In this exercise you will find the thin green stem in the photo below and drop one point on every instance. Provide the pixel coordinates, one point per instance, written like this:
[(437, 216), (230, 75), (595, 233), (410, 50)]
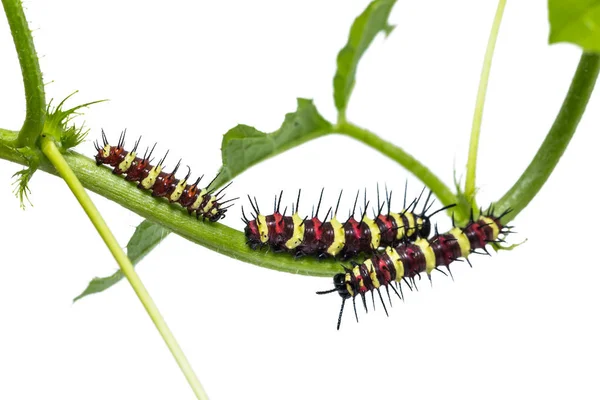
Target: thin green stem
[(479, 104), (56, 158), (557, 140), (32, 75), (401, 157)]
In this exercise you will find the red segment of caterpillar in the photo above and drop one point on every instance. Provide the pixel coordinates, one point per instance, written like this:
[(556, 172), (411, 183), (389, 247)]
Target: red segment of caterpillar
[(409, 260), (311, 236), (203, 202)]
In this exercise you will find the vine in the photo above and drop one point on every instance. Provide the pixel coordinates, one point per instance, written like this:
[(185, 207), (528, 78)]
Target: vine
[(45, 140)]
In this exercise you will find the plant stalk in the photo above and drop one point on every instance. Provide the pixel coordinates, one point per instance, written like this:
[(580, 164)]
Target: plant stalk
[(56, 158), (479, 105), (557, 140), (443, 193), (35, 99)]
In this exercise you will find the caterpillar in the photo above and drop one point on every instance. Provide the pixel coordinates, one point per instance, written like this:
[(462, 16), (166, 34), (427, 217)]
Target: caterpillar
[(203, 202), (311, 236), (410, 259)]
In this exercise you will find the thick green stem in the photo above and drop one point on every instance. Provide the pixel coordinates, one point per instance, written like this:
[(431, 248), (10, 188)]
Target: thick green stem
[(56, 158), (32, 76), (214, 236), (559, 136), (479, 104), (401, 157)]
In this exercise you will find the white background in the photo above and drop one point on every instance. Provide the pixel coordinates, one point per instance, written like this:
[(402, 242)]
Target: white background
[(521, 324)]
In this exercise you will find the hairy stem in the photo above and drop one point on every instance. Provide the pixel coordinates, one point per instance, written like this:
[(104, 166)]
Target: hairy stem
[(479, 104), (32, 76), (558, 138), (56, 158), (401, 157)]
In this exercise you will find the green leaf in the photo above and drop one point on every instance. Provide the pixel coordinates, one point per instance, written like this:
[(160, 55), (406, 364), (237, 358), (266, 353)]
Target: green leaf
[(243, 146), (146, 236), (575, 21), (364, 29)]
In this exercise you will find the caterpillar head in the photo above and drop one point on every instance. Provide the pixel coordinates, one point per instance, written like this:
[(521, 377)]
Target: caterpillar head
[(424, 228), (424, 221), (339, 285), (107, 154)]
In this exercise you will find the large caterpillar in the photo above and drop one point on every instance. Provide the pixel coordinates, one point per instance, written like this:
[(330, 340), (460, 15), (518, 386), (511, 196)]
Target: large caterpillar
[(203, 202), (409, 260), (311, 236)]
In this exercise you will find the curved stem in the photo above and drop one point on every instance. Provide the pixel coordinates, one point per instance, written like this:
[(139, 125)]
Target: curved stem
[(401, 157), (56, 158), (230, 242), (559, 136), (32, 76), (479, 104), (215, 236)]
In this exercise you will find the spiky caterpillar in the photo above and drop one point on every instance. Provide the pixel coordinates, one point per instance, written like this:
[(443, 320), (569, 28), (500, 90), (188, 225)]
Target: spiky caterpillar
[(203, 202), (311, 236), (410, 259)]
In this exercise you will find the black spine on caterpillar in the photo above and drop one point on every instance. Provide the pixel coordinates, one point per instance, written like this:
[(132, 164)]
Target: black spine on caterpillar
[(203, 202), (311, 236), (409, 260)]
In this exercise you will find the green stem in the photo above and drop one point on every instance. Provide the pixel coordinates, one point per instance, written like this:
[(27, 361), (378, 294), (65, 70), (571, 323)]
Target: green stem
[(214, 236), (401, 157), (56, 158), (32, 76), (559, 136), (479, 104)]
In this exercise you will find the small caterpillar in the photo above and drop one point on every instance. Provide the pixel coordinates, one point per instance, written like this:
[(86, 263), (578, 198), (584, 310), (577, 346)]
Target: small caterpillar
[(404, 262), (311, 236), (162, 184)]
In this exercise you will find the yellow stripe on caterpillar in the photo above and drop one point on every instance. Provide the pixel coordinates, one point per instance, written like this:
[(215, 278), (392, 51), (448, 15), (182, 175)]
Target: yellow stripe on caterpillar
[(199, 200), (148, 182), (412, 228), (178, 191), (372, 273), (263, 229), (398, 264), (428, 253), (298, 234), (348, 280), (126, 163), (209, 204), (339, 237), (492, 224), (375, 232), (463, 241), (356, 272)]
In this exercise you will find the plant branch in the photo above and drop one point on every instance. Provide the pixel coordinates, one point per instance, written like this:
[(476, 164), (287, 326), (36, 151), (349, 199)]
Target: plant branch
[(32, 75), (216, 236), (557, 140), (401, 157), (56, 158), (479, 104)]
